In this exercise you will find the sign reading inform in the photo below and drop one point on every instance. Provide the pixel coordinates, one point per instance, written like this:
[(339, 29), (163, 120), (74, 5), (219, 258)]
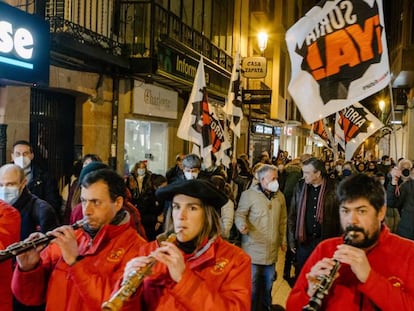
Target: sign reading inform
[(24, 47)]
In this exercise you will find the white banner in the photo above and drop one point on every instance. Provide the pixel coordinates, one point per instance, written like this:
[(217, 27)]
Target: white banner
[(353, 125), (200, 123), (338, 56)]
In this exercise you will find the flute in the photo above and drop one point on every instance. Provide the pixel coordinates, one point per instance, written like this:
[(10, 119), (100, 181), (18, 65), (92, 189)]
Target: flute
[(326, 281), (23, 246), (131, 283)]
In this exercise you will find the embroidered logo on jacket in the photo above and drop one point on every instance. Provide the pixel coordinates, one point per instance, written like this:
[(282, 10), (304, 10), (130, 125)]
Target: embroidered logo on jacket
[(116, 255), (218, 268), (396, 282)]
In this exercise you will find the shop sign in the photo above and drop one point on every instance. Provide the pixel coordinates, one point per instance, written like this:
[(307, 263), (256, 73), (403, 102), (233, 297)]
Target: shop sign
[(24, 47), (180, 66), (252, 97), (152, 100), (254, 67)]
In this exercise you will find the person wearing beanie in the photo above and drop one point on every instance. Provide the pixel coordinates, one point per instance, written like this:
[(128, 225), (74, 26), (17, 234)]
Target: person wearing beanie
[(200, 270)]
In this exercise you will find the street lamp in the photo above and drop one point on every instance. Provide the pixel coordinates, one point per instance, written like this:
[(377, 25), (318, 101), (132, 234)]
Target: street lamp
[(381, 105), (262, 41)]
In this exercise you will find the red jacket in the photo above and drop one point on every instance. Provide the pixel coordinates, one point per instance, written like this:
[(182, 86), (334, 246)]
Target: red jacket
[(390, 284), (135, 217), (86, 284), (218, 277), (9, 233)]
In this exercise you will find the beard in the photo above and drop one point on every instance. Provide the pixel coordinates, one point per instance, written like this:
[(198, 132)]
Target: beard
[(367, 240)]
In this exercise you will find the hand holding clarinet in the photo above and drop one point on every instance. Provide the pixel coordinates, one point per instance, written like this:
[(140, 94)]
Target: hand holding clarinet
[(28, 251), (325, 271)]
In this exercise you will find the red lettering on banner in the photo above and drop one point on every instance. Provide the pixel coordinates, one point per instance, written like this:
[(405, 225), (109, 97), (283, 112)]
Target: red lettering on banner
[(349, 46)]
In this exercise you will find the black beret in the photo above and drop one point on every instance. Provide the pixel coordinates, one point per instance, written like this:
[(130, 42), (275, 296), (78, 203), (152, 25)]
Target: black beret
[(93, 166), (196, 188)]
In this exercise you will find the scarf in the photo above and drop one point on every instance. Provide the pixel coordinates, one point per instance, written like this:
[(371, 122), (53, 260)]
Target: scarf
[(300, 221)]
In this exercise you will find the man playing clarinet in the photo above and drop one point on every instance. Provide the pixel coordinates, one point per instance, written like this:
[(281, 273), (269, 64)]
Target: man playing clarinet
[(79, 268), (375, 265)]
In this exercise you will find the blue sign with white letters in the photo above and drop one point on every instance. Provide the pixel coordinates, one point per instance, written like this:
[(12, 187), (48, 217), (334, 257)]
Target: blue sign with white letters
[(24, 47)]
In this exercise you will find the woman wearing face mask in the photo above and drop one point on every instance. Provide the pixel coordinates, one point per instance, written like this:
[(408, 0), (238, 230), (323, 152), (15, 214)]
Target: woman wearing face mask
[(139, 184)]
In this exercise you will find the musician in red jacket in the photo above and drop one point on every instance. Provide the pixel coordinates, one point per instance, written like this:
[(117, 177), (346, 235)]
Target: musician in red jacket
[(79, 269), (9, 233), (201, 271), (375, 265)]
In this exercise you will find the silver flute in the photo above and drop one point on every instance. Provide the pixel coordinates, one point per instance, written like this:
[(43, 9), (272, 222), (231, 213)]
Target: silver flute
[(326, 281), (23, 246)]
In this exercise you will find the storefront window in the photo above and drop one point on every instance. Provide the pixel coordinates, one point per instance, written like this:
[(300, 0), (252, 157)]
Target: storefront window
[(146, 140)]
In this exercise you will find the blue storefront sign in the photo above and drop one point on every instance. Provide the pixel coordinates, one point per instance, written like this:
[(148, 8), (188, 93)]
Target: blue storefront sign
[(24, 47)]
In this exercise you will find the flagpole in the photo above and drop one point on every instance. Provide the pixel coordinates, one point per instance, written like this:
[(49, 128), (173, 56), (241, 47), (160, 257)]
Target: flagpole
[(393, 119), (329, 134)]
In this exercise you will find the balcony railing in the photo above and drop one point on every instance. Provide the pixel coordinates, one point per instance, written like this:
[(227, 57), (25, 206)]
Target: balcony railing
[(144, 24), (84, 35), (128, 28)]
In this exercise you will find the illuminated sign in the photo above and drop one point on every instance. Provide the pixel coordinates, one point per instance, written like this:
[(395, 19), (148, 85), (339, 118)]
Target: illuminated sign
[(24, 47), (254, 67), (259, 128)]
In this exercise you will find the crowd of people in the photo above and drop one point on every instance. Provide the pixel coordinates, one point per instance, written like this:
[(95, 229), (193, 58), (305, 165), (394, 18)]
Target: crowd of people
[(230, 225)]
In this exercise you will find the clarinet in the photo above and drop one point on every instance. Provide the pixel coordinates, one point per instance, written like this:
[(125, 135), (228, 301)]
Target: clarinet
[(326, 281), (131, 283), (23, 246)]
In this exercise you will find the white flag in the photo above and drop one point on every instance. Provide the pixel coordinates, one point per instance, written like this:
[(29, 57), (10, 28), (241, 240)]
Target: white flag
[(339, 56), (355, 124), (192, 126), (200, 124), (191, 121), (233, 106)]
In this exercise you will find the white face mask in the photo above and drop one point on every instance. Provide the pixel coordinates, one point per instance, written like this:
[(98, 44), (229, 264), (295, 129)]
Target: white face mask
[(9, 194), (22, 161), (273, 186), (141, 171), (190, 175)]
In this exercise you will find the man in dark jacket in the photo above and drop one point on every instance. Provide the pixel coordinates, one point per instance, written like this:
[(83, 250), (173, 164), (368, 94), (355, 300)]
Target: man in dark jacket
[(313, 214), (36, 214), (39, 182), (176, 172)]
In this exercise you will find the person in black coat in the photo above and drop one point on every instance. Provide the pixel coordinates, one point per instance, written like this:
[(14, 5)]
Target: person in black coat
[(36, 214), (39, 182), (313, 213)]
